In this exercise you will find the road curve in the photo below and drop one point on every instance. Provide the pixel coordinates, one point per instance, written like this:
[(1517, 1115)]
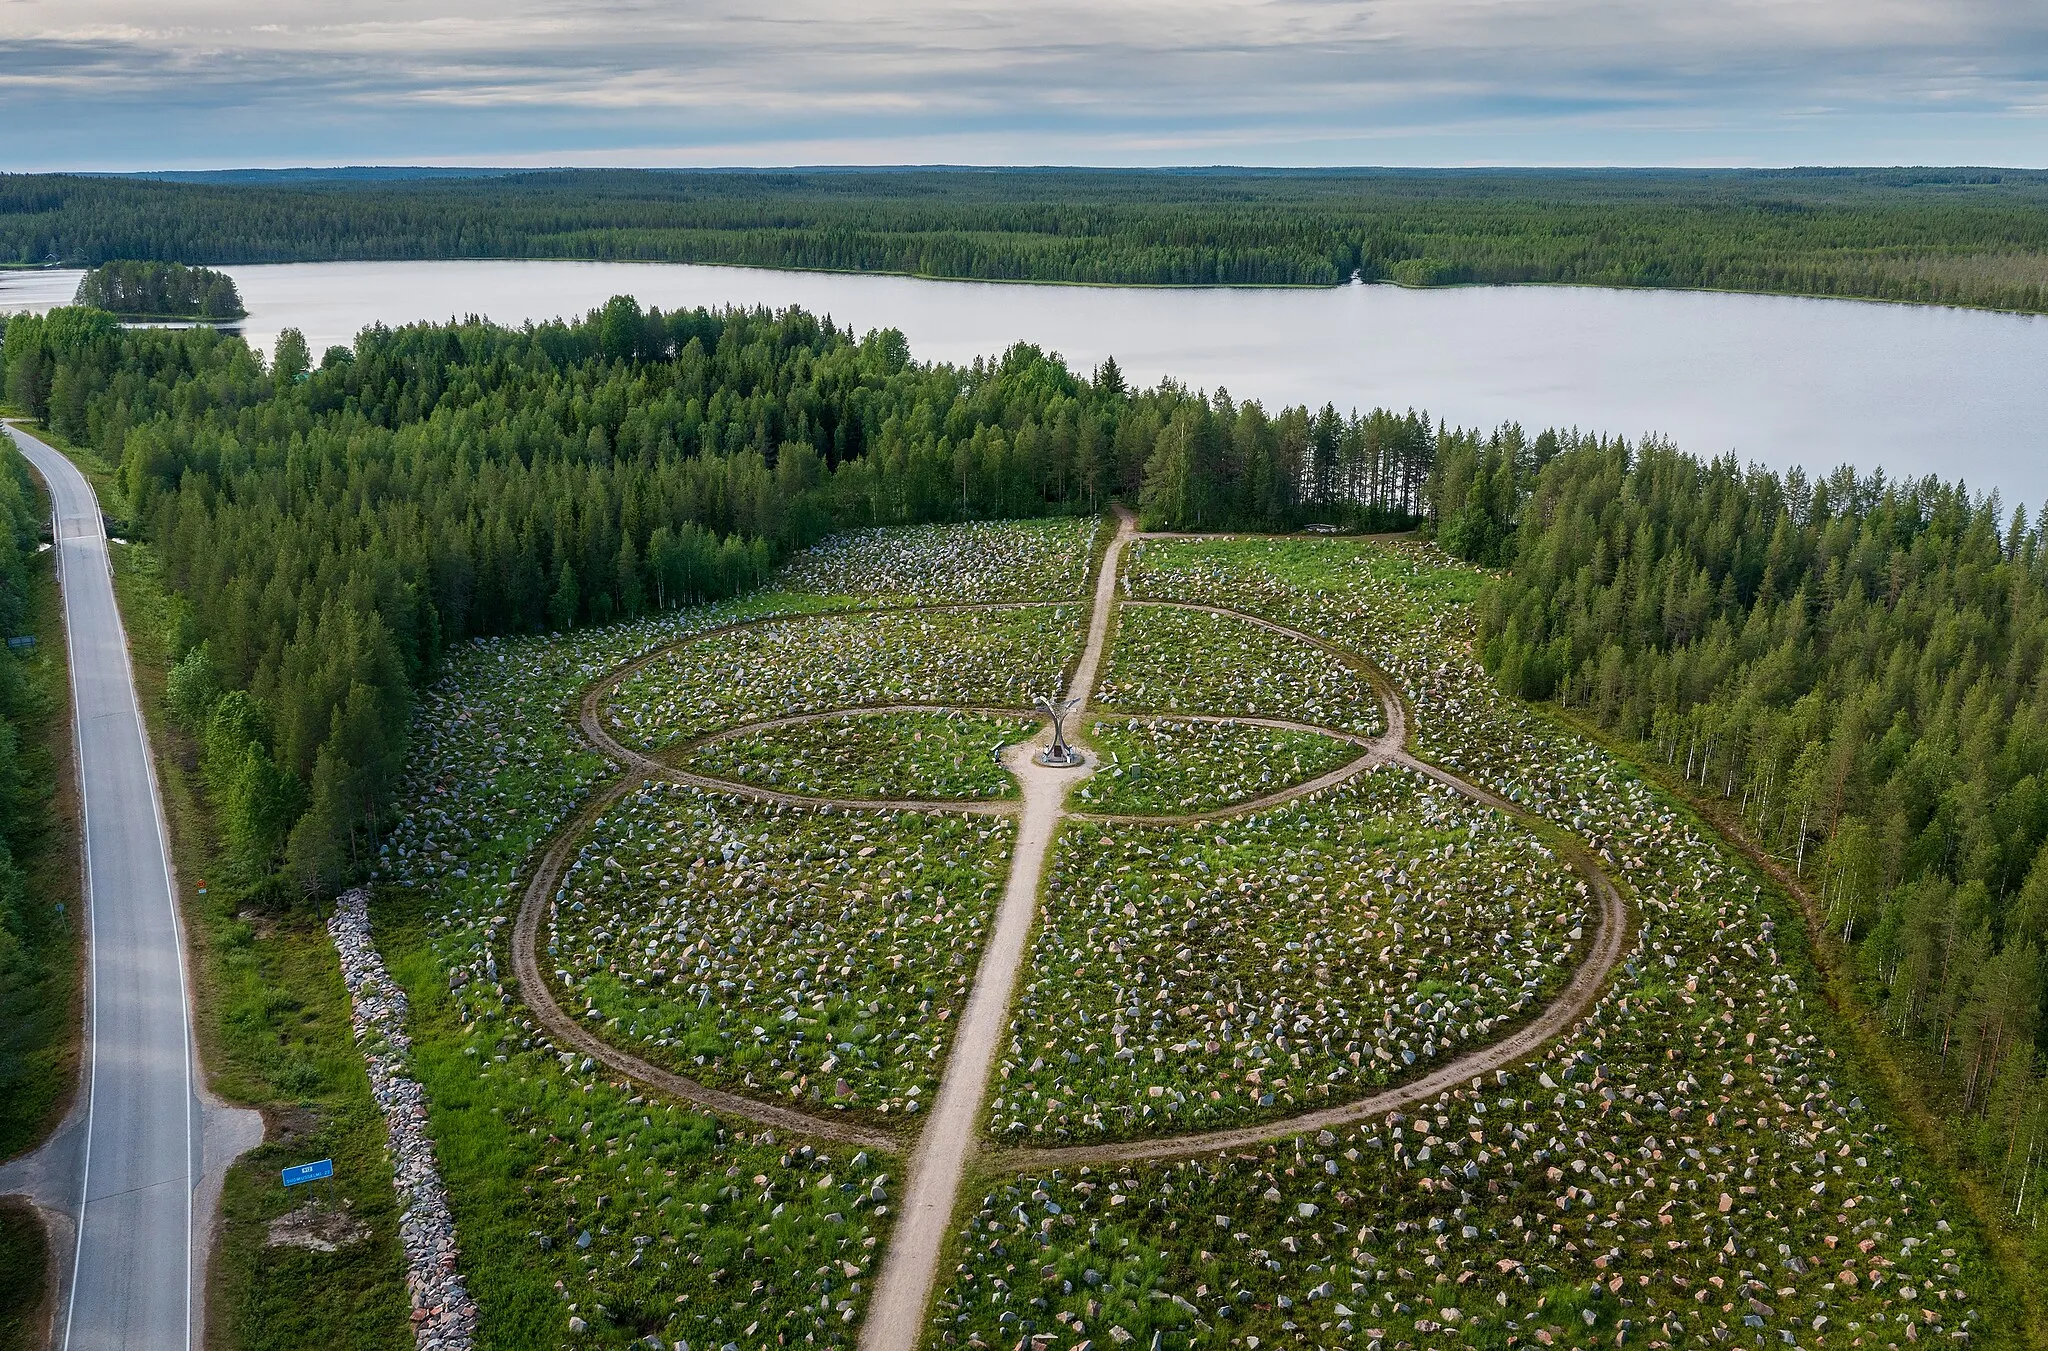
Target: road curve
[(131, 1168)]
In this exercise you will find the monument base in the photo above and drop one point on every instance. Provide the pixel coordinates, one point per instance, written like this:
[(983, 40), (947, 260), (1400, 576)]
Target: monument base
[(1052, 758)]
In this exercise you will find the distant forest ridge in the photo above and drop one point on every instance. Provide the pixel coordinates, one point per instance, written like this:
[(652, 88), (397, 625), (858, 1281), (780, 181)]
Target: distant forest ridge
[(1961, 236)]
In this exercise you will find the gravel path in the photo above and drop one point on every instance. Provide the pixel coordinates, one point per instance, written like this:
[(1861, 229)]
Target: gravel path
[(895, 1319)]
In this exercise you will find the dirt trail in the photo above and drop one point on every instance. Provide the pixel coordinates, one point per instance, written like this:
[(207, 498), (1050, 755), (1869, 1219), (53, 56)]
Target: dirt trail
[(895, 1319), (946, 1147), (1610, 935), (566, 1031)]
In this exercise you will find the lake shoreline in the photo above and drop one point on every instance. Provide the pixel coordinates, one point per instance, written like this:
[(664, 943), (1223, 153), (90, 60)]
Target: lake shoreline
[(1779, 379)]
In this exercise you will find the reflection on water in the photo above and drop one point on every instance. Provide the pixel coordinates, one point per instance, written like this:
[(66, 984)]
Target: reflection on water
[(36, 288), (1786, 381)]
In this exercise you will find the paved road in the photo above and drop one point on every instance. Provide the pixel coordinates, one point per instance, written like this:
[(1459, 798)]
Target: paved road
[(125, 1168)]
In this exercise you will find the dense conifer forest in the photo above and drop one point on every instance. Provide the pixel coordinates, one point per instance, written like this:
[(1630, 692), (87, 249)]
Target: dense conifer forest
[(34, 960), (1854, 667), (335, 529), (1953, 236), (1857, 668)]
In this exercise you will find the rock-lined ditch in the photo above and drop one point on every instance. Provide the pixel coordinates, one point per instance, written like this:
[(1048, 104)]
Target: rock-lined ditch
[(443, 1314)]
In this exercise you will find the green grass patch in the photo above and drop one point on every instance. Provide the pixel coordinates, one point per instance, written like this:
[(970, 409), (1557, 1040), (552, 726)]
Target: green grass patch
[(24, 1277), (1161, 766), (817, 956), (1000, 658), (1705, 1157), (923, 756), (580, 1198), (923, 564), (1168, 660), (1199, 977), (1399, 583)]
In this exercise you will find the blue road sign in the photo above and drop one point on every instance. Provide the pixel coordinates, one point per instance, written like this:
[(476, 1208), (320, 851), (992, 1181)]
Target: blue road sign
[(308, 1172)]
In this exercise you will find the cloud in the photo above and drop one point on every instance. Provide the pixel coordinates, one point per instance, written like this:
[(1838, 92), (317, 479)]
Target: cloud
[(110, 82)]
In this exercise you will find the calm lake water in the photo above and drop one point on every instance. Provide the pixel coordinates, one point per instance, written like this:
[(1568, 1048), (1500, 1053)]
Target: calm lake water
[(1783, 381)]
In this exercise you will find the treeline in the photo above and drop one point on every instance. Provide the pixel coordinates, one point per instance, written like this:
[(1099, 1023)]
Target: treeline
[(333, 531), (157, 290), (22, 786), (31, 927), (1953, 236), (1858, 669)]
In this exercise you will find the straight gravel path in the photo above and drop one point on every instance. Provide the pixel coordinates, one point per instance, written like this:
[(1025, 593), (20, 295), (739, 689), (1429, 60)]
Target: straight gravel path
[(895, 1320)]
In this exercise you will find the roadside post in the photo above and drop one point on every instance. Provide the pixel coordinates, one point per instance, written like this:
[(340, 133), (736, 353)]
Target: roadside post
[(308, 1172), (317, 1171)]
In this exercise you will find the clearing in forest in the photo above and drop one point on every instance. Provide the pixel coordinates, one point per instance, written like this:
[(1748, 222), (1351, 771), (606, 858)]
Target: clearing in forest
[(768, 992)]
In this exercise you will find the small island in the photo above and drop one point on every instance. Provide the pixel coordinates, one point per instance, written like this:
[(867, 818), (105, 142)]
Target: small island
[(158, 290)]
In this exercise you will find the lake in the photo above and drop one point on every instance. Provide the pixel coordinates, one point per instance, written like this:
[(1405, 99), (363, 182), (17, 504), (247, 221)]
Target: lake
[(1784, 381)]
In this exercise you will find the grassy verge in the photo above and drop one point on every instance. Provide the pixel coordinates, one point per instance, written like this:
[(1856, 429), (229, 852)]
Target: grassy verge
[(1912, 1088), (39, 1013), (25, 1258)]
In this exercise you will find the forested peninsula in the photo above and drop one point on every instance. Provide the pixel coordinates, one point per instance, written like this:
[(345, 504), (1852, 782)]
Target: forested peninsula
[(1976, 237)]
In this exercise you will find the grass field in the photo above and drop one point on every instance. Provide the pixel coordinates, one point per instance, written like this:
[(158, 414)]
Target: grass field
[(813, 955), (537, 1146), (1707, 1156), (1707, 1129), (577, 1197), (1200, 977), (935, 756), (1162, 766)]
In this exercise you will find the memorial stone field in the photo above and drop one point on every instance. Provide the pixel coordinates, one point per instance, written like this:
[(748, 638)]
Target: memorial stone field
[(1353, 1003)]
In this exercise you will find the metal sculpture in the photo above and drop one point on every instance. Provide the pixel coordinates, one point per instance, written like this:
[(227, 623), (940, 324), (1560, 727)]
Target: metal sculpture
[(1059, 755)]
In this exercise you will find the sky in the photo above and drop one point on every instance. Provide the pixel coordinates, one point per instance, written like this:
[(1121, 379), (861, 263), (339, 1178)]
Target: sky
[(142, 84)]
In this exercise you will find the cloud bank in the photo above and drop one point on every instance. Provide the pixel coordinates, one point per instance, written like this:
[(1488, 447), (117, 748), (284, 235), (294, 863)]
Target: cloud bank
[(140, 84)]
